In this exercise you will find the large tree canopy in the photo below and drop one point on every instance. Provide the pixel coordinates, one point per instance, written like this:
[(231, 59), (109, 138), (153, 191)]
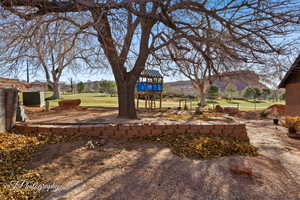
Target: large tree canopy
[(130, 32)]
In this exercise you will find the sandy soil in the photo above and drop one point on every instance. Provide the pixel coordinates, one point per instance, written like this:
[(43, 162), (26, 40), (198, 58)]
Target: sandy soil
[(84, 115), (122, 170)]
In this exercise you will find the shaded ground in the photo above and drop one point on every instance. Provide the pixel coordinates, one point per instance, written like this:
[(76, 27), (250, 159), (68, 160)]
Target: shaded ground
[(121, 170), (274, 143), (91, 114), (87, 114)]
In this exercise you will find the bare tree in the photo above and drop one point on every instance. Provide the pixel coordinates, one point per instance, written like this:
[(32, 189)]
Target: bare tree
[(201, 67), (129, 31), (52, 48)]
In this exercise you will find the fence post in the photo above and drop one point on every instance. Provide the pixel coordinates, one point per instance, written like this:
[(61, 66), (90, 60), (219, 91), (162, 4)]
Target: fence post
[(47, 106)]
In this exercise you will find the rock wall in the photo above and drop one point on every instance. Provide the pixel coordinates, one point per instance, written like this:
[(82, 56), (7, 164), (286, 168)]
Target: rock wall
[(235, 131)]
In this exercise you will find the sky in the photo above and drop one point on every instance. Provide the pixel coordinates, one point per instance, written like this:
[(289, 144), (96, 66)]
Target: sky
[(100, 75), (84, 77)]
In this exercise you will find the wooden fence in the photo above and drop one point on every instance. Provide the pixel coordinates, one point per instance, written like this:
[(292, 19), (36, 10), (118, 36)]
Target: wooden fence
[(8, 108)]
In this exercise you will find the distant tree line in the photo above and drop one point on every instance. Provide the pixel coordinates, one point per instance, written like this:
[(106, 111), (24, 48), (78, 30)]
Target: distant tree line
[(249, 93), (103, 86), (108, 87)]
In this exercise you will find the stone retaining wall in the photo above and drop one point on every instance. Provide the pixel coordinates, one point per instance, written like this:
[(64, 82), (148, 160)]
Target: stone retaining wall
[(236, 131)]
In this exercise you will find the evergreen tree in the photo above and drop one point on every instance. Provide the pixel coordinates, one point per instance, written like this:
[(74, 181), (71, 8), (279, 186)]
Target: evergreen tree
[(80, 87), (213, 92)]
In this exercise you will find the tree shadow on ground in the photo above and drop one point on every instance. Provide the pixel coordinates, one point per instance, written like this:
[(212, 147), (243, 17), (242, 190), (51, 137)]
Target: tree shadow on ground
[(256, 101), (212, 101), (151, 171)]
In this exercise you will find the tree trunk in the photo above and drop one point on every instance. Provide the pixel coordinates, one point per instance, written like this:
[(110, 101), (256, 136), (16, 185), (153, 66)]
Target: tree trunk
[(202, 99), (125, 80), (201, 88), (56, 91), (126, 91)]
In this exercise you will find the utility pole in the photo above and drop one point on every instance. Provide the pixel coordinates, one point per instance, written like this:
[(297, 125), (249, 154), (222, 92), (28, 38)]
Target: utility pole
[(71, 82), (27, 70)]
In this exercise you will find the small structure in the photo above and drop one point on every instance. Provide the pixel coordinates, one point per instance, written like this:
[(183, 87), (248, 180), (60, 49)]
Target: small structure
[(149, 88), (37, 86), (32, 99), (291, 82)]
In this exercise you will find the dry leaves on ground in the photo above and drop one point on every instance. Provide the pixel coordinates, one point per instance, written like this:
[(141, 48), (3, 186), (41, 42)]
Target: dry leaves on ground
[(199, 146), (15, 151)]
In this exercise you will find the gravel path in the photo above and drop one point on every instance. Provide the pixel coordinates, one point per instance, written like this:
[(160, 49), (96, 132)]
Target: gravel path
[(274, 143)]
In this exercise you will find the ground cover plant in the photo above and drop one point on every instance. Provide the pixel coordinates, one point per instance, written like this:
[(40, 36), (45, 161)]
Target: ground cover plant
[(201, 146), (192, 116)]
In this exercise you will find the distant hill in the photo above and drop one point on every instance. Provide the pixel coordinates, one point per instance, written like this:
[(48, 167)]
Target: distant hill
[(241, 79)]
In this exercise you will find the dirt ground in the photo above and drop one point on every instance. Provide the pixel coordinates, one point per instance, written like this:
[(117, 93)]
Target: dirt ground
[(121, 170), (84, 115), (81, 115)]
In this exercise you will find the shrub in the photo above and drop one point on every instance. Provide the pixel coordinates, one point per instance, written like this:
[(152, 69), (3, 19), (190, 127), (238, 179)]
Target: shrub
[(291, 121), (213, 92), (264, 114), (185, 107), (198, 111), (293, 124)]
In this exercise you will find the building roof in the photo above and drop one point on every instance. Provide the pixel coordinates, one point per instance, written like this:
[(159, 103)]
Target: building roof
[(293, 69), (149, 73)]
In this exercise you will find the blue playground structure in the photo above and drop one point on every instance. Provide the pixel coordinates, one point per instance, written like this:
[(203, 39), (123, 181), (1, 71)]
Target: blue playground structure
[(149, 87)]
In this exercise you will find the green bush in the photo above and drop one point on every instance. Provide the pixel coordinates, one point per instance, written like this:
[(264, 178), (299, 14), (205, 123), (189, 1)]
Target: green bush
[(264, 114), (198, 111), (186, 107)]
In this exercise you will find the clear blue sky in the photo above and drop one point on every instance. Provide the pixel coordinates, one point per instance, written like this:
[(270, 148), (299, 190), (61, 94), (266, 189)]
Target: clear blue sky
[(83, 76)]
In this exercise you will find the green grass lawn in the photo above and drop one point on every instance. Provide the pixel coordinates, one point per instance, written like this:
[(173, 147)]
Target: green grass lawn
[(88, 99), (100, 99), (245, 105)]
